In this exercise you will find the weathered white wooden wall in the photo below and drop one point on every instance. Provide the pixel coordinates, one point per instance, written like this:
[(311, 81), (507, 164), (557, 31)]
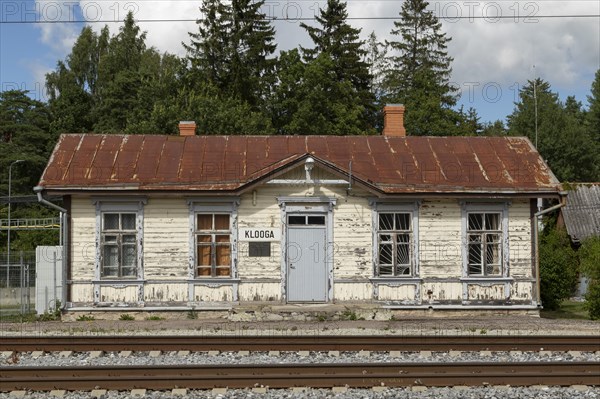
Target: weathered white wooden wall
[(166, 253)]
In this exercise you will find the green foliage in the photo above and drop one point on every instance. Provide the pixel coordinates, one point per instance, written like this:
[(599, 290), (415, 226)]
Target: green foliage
[(154, 318), (558, 267), (232, 51), (192, 314), (338, 48), (310, 100), (24, 125), (54, 315), (593, 114), (496, 128), (126, 317), (563, 139), (348, 315), (420, 71), (589, 256), (85, 317)]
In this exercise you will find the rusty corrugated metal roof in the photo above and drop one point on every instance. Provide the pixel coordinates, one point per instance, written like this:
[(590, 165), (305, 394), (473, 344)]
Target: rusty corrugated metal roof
[(582, 212), (391, 165)]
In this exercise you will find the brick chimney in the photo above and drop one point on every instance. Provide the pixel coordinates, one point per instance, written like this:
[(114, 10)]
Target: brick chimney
[(393, 120), (187, 128)]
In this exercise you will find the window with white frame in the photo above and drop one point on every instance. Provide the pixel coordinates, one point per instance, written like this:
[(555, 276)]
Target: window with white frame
[(485, 236), (395, 243), (213, 244), (119, 241)]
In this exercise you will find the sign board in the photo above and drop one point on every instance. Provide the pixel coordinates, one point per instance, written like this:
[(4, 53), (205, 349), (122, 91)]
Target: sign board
[(259, 234)]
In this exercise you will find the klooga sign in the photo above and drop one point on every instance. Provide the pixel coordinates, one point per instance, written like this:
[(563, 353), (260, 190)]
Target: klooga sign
[(259, 234)]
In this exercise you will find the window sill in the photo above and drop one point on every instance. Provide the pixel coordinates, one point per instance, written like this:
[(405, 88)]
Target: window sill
[(122, 281), (490, 279), (215, 280), (396, 280)]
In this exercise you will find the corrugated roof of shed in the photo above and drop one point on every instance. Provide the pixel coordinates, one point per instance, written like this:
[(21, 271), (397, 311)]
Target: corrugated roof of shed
[(391, 165), (582, 212)]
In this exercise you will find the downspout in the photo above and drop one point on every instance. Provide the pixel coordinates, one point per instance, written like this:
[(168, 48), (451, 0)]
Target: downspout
[(537, 246), (63, 233)]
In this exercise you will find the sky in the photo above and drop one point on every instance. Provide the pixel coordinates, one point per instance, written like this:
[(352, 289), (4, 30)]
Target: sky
[(496, 45)]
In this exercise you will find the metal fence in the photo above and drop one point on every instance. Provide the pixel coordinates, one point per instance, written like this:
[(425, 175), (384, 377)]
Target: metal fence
[(17, 282)]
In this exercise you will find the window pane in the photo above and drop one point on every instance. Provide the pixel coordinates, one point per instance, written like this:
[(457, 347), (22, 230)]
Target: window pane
[(223, 255), (403, 221), (385, 254), (475, 221), (129, 255), (492, 221), (129, 238), (385, 238), (297, 220), (128, 221), (385, 270), (493, 270), (492, 252), (110, 272), (204, 271), (204, 255), (403, 254), (128, 272), (204, 238), (111, 255), (474, 269), (221, 222), (110, 239), (402, 270), (223, 271), (111, 221), (386, 221), (222, 238), (204, 222), (316, 220), (475, 255)]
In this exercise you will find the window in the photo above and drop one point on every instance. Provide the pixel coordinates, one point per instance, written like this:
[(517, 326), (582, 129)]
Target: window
[(306, 220), (213, 245), (484, 241), (119, 245), (394, 244)]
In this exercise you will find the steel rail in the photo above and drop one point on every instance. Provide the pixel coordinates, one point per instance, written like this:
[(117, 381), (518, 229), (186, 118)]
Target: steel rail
[(305, 375), (298, 343)]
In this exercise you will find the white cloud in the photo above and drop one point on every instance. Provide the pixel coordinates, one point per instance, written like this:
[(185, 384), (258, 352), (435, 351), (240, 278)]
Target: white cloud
[(565, 51)]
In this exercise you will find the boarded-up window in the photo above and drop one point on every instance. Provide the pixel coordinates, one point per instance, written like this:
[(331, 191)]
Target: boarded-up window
[(119, 245), (484, 235), (395, 243), (213, 245)]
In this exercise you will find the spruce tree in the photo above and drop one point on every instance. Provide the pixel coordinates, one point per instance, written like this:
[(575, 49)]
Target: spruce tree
[(335, 39), (232, 50), (420, 71)]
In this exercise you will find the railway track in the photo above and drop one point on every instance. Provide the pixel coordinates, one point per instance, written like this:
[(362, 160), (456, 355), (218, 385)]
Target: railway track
[(309, 375), (301, 343)]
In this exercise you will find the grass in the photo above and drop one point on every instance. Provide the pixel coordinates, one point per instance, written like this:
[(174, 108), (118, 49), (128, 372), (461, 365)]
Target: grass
[(567, 310)]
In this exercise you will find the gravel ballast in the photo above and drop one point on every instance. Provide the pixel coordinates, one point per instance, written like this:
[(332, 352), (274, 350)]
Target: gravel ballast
[(203, 358), (387, 393)]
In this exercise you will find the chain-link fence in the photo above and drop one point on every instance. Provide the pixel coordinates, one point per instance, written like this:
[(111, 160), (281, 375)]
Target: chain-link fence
[(17, 282)]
